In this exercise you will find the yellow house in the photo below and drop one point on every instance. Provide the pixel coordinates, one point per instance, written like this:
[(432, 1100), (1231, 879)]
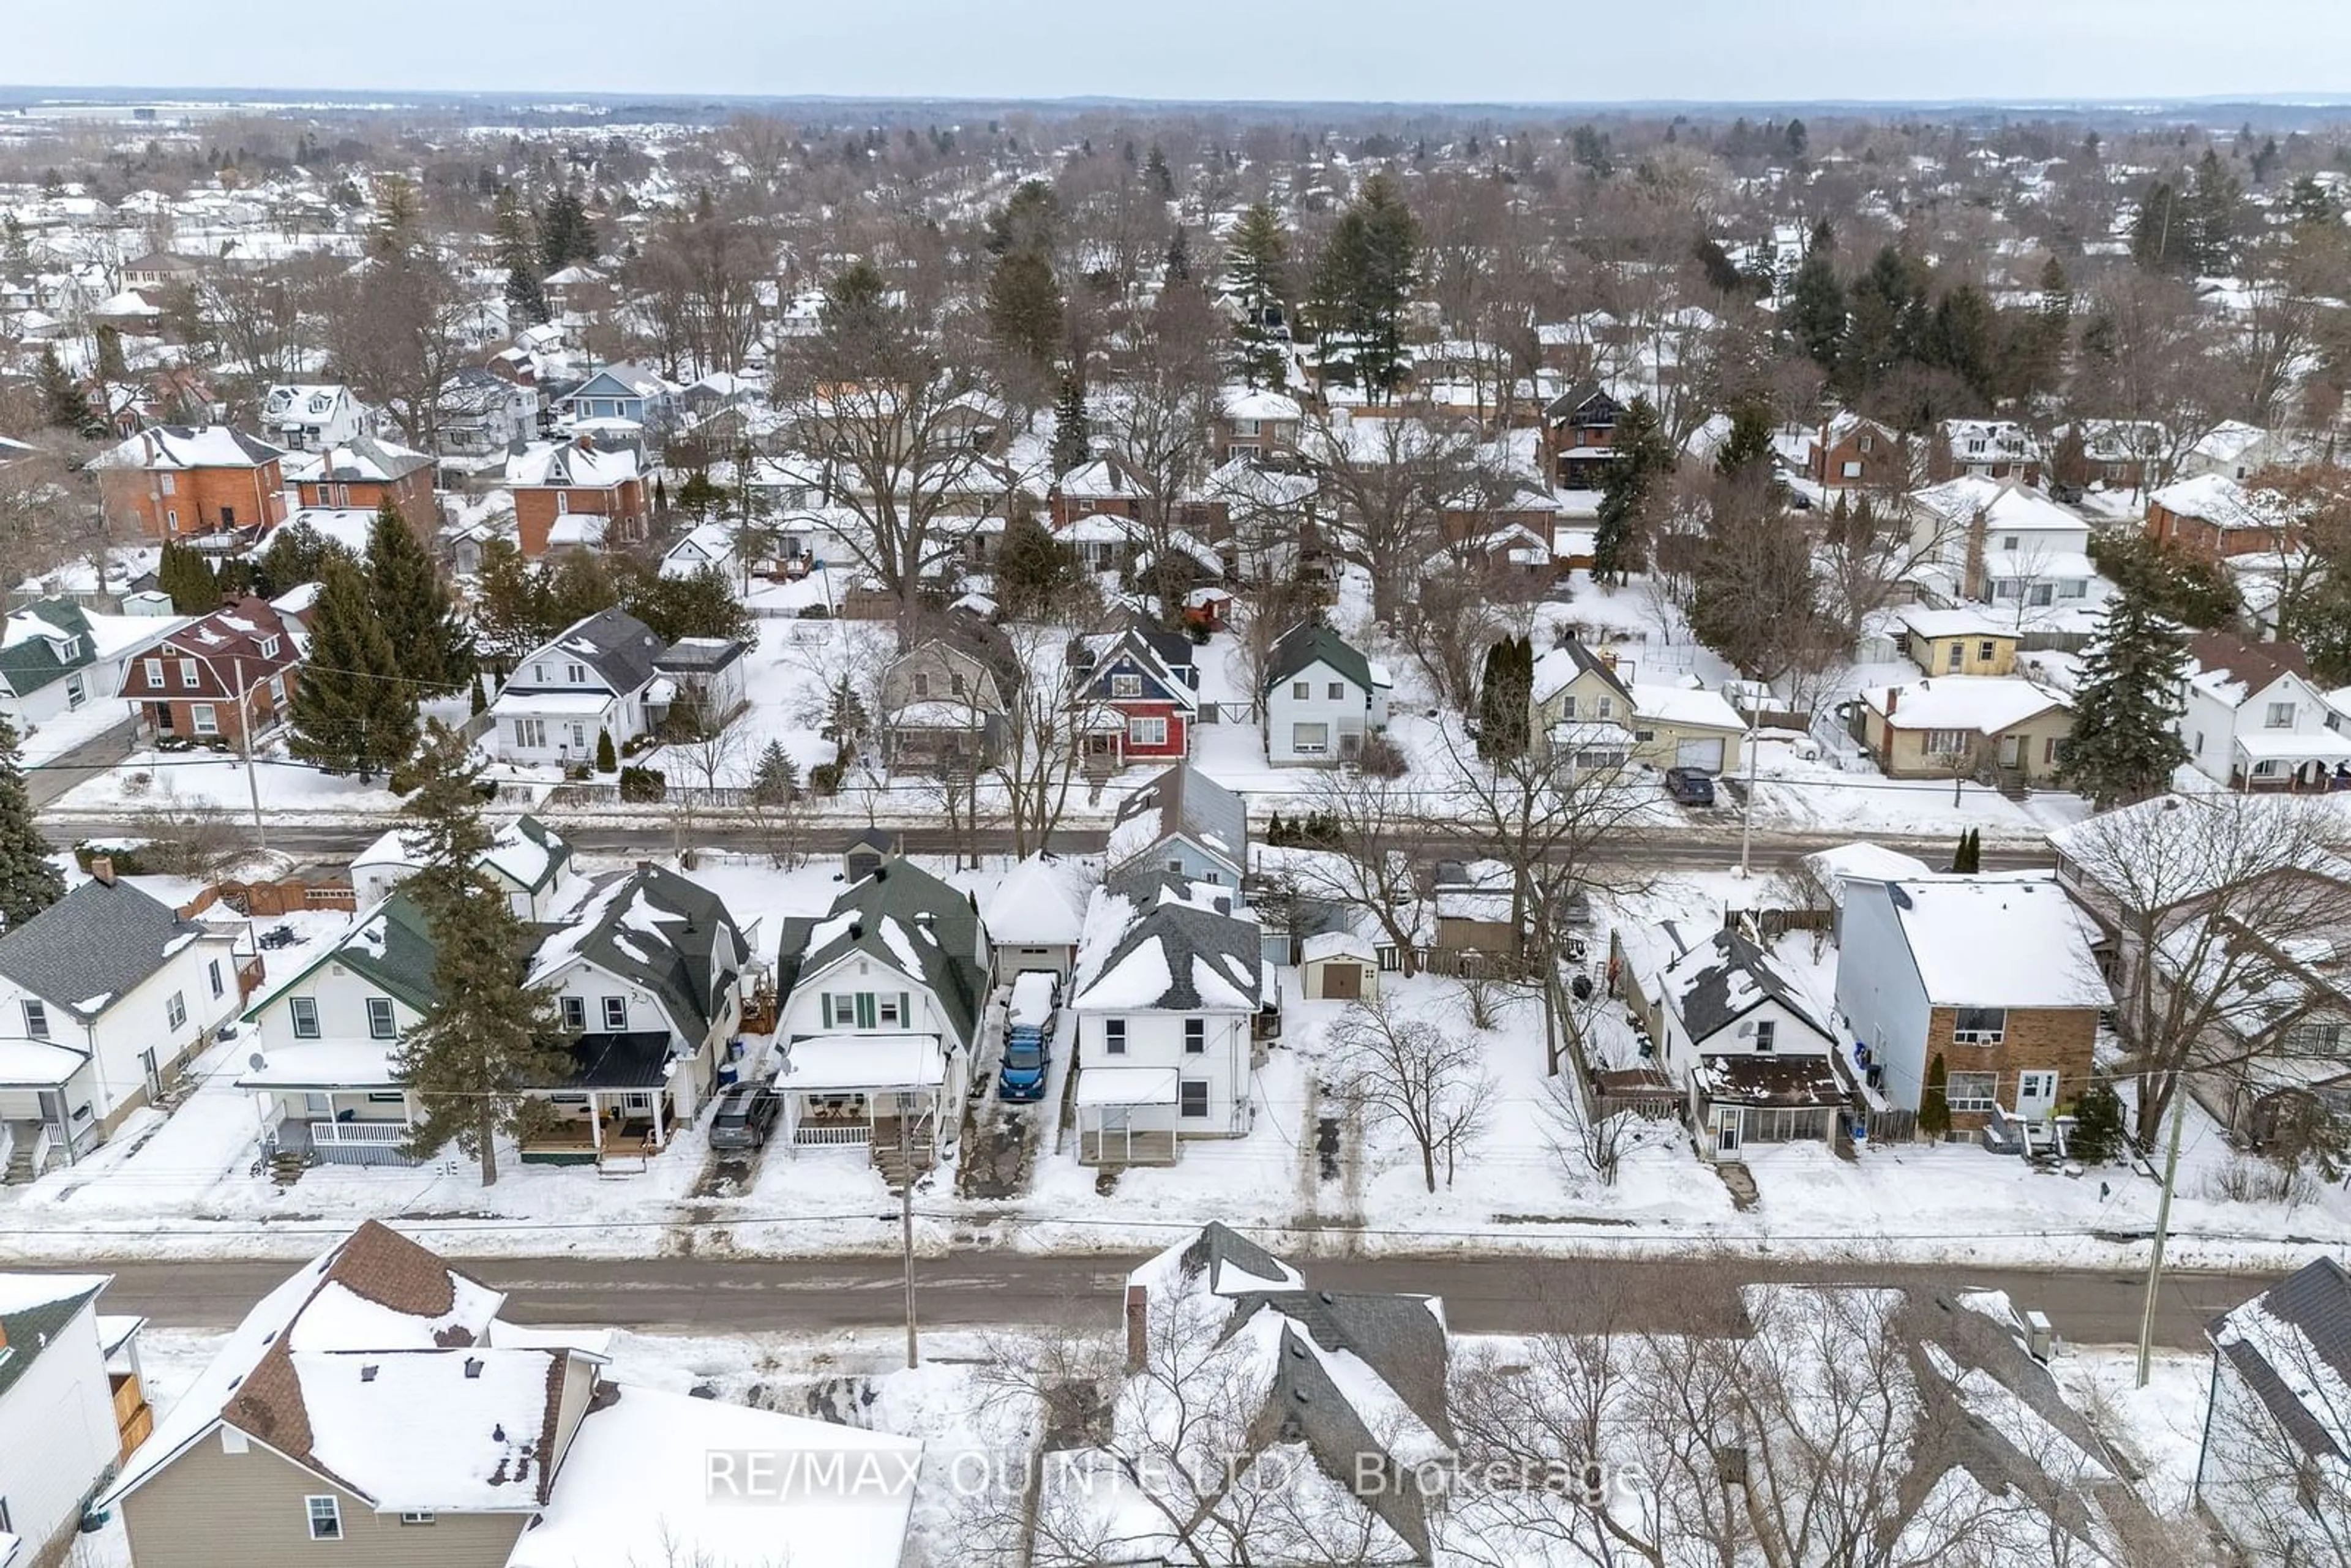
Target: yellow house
[(1580, 698), (1953, 726), (1959, 642)]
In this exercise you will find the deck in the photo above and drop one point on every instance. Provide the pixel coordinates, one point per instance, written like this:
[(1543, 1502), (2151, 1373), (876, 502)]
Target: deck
[(1136, 1148)]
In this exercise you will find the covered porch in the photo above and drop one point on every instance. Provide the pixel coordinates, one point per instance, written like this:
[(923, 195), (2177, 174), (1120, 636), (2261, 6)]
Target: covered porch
[(615, 1105), (42, 1085), (864, 1092), (2286, 762), (334, 1102), (1745, 1100), (1126, 1116)]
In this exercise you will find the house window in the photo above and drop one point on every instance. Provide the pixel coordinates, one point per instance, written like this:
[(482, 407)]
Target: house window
[(1126, 686), (563, 503), (1949, 742), (205, 718), (1147, 732), (1971, 1090), (1567, 705), (1607, 708), (2315, 1037), (417, 1516), (1113, 1037), (1310, 739), (2041, 593), (269, 647), (187, 671), (1867, 443), (1193, 1102), (889, 1010), (1302, 690), (304, 1012), (276, 691), (213, 971), (170, 485), (2056, 749), (955, 684), (154, 672), (1336, 691), (2007, 542), (616, 1014), (1985, 652), (2279, 717), (77, 692), (326, 1518), (1853, 470), (1980, 1026), (175, 1009), (575, 675), (530, 734), (2073, 587), (922, 684), (1767, 1032), (2266, 769), (1196, 1037), (380, 1019), (37, 1019), (575, 1015)]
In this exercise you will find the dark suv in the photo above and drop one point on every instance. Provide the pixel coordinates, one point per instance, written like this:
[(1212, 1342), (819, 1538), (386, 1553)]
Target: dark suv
[(1690, 785), (746, 1113)]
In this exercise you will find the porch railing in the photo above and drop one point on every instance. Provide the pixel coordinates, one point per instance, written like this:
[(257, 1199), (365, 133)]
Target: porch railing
[(357, 1132), (832, 1136)]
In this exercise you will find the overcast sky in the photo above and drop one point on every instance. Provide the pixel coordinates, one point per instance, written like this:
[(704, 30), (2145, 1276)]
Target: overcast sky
[(1500, 50)]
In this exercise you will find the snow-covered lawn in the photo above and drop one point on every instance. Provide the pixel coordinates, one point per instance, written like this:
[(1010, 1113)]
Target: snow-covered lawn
[(190, 778), (53, 737)]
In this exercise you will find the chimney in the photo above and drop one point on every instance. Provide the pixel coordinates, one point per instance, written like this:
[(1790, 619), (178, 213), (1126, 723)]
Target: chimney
[(1893, 700), (1138, 1324), (102, 869)]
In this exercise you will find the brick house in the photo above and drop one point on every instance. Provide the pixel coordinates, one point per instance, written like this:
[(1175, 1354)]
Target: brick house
[(2214, 517), (1137, 706), (1580, 436), (1102, 487), (361, 475), (1254, 422), (1851, 452), (576, 496), (1996, 976), (181, 482), (221, 676)]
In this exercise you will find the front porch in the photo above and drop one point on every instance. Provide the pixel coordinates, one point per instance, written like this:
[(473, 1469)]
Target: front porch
[(1127, 1115), (883, 1093), (1749, 1100), (2282, 762)]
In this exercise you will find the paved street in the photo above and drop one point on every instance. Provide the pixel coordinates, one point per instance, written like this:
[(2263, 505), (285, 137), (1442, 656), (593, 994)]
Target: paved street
[(1481, 1295)]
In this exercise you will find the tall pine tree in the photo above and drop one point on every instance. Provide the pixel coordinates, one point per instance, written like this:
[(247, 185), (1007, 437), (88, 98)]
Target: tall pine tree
[(63, 403), (1816, 312), (2126, 743), (1644, 459), (489, 1038), (565, 234), (1072, 447), (354, 710), (28, 881), (519, 251), (1257, 275), (1369, 268), (419, 617)]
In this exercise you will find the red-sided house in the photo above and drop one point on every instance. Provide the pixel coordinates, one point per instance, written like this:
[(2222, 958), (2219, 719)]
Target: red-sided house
[(1103, 486), (361, 475), (220, 677), (576, 496), (192, 482), (1139, 703), (2214, 517)]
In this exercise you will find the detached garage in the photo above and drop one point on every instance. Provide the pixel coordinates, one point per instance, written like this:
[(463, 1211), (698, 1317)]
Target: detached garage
[(1339, 967), (1685, 726)]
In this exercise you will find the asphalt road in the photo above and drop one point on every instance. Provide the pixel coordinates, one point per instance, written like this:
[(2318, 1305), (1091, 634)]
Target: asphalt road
[(85, 762), (981, 1290)]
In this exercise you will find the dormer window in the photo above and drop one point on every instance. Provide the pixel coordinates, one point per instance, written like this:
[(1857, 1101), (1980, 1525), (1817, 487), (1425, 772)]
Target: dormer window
[(269, 647)]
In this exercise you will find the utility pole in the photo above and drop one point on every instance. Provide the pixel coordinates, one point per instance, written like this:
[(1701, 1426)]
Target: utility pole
[(906, 1218), (244, 745), (1747, 807), (2162, 1226)]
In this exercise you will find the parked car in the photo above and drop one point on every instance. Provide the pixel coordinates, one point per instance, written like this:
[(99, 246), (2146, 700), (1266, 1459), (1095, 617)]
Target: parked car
[(1690, 785), (745, 1115), (1028, 1029)]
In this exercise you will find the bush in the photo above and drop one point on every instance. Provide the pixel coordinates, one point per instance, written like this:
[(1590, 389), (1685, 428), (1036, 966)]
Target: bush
[(1935, 1104), (2097, 1135), (124, 856), (642, 784), (1382, 758), (605, 760), (824, 778)]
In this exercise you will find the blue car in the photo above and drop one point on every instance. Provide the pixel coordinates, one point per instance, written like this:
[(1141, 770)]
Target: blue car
[(1028, 1025)]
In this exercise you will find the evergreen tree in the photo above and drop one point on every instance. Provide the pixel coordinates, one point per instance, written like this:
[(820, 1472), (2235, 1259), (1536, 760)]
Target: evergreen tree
[(2312, 203), (1645, 460), (2098, 1127), (519, 253), (188, 578), (845, 724), (354, 711), (565, 234), (418, 614), (1967, 858), (1257, 274), (1369, 267), (489, 1037), (702, 603), (1162, 178), (29, 883), (1024, 309), (775, 779), (2158, 238), (63, 404), (1816, 311), (607, 759), (296, 554), (1034, 570), (1935, 1104), (1179, 258), (2126, 743), (1071, 445)]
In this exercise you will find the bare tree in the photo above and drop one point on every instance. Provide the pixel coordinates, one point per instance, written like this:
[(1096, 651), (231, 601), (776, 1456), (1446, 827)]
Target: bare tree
[(1409, 1074), (1160, 415), (1049, 713), (1370, 869), (1388, 481), (2280, 1496), (700, 274)]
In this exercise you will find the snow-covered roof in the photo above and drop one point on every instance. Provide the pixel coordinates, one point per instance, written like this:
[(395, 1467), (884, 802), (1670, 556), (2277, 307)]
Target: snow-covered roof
[(1688, 705), (876, 1062), (2217, 499), (2000, 941), (1040, 903), (2007, 506), (1984, 704), (1924, 622)]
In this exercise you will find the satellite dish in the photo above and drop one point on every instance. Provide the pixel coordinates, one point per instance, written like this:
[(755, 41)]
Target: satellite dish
[(257, 1061)]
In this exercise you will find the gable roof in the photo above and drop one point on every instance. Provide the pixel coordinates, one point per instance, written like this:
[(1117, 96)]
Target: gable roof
[(660, 931), (1040, 903), (1714, 986), (618, 646), (184, 446), (916, 923), (2256, 665), (364, 460), (94, 944), (1304, 645), (34, 1309), (1178, 959), (1183, 801), (1558, 668), (2288, 1344), (29, 656)]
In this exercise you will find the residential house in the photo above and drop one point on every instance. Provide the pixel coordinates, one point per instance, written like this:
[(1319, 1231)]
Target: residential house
[(302, 417), (1253, 422), (1322, 698), (104, 997), (1036, 916), (1580, 436), (67, 1416), (620, 393), (1100, 486), (1167, 1004), (707, 680), (482, 416), (1581, 699), (879, 1017), (1959, 642), (528, 860), (362, 474), (1134, 706), (377, 1405), (705, 546), (599, 676), (1477, 924), (1854, 453), (221, 679), (194, 484), (48, 663), (2119, 453), (1347, 1415), (945, 704), (2235, 450), (2274, 1467), (576, 496), (1993, 449), (1987, 542), (2253, 720), (161, 269), (2213, 516), (2004, 728), (1182, 824), (1994, 975)]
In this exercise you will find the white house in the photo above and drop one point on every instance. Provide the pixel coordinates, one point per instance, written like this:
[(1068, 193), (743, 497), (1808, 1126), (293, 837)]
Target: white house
[(311, 418), (527, 858), (596, 678), (58, 658), (62, 1429), (2274, 1467), (103, 995), (2253, 720), (705, 546), (1756, 1062), (704, 675), (1322, 698), (1167, 1007), (2003, 545), (1182, 823)]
